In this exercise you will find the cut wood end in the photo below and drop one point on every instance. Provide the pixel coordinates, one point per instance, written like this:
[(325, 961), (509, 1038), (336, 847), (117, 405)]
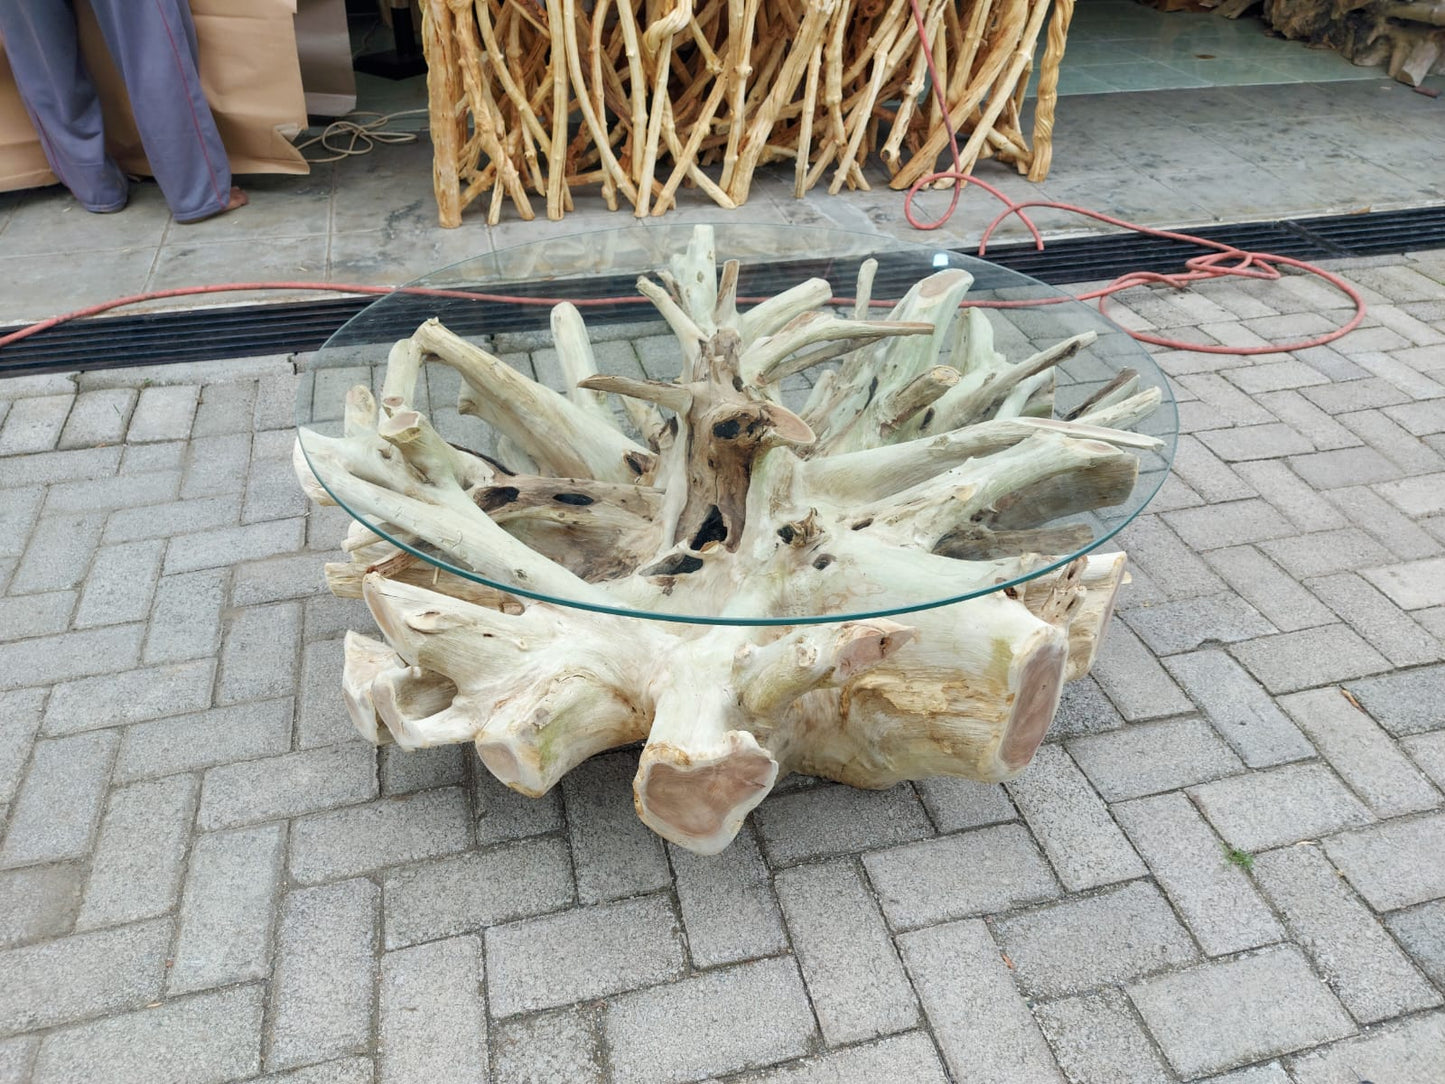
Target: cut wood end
[(699, 800)]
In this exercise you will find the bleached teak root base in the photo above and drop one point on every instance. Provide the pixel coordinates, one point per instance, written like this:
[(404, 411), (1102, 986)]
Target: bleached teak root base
[(923, 466)]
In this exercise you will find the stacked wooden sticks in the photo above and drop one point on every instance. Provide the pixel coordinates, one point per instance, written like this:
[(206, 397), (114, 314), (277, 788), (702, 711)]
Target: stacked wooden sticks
[(542, 97)]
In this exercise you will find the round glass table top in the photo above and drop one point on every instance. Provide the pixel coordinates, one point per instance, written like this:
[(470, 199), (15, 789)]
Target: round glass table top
[(924, 465)]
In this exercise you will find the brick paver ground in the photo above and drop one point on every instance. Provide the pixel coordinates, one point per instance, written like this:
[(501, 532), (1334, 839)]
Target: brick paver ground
[(1227, 864)]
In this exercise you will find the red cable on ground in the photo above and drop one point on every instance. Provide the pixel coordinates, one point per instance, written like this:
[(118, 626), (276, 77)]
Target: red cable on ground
[(1255, 265)]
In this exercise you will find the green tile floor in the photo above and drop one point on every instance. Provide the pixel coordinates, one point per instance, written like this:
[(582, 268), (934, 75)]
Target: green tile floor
[(1123, 45)]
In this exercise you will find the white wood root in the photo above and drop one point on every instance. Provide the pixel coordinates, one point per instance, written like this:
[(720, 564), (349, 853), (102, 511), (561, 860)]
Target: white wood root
[(925, 465)]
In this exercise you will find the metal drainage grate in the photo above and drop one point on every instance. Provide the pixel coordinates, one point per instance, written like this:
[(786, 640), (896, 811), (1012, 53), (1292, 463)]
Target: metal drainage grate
[(286, 327)]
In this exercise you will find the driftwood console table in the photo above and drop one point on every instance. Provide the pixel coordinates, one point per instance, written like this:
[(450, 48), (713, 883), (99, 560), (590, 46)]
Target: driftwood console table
[(534, 100)]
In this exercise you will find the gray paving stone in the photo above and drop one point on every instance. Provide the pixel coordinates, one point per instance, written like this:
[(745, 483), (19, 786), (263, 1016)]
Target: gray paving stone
[(956, 804), (136, 870), (727, 903), (1306, 418), (1133, 679), (126, 490), (33, 424), (1421, 419), (1083, 709), (1268, 1073), (856, 983), (1265, 586), (1283, 489), (1377, 619), (98, 417), (328, 617), (225, 408), (1354, 954), (1269, 809), (1409, 702), (1344, 467), (45, 468), (207, 1039), (18, 512), (536, 963), (1222, 394), (1409, 1053), (36, 615), (1265, 441), (59, 804), (358, 839), (1212, 895), (687, 1030), (1375, 861), (277, 579), (1428, 751), (1336, 399), (404, 771), (39, 902), (59, 554), (20, 714), (165, 520), (1222, 1015), (1394, 530), (1421, 932), (1147, 758), (433, 1022), (287, 786), (1169, 562), (1237, 522), (829, 820), (276, 401), (189, 742), (185, 621), (911, 1057), (272, 492), (321, 993), (133, 696), (1361, 752), (321, 716), (983, 1026), (503, 814), (1080, 943), (1097, 1040), (979, 872), (561, 1047), (1413, 585), (1173, 627), (1420, 496), (471, 891), (226, 546), (147, 459), (1072, 825), (614, 854), (74, 977), (163, 413), (259, 653), (1325, 552), (338, 1071), (16, 1056), (227, 910), (1397, 445), (1300, 660)]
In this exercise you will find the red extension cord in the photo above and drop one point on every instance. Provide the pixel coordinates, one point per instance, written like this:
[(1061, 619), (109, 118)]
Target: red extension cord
[(1223, 261)]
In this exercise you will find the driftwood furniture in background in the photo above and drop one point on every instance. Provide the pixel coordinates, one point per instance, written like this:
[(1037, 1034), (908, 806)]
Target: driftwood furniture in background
[(1406, 36), (535, 100), (923, 466)]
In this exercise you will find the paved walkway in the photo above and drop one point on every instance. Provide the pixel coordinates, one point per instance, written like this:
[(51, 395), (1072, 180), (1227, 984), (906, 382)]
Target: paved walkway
[(1229, 859)]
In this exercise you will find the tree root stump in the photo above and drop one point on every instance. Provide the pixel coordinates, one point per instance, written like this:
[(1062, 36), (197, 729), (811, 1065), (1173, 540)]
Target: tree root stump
[(783, 552)]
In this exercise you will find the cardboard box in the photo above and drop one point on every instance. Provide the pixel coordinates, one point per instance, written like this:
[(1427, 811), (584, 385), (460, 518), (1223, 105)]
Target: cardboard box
[(249, 71)]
